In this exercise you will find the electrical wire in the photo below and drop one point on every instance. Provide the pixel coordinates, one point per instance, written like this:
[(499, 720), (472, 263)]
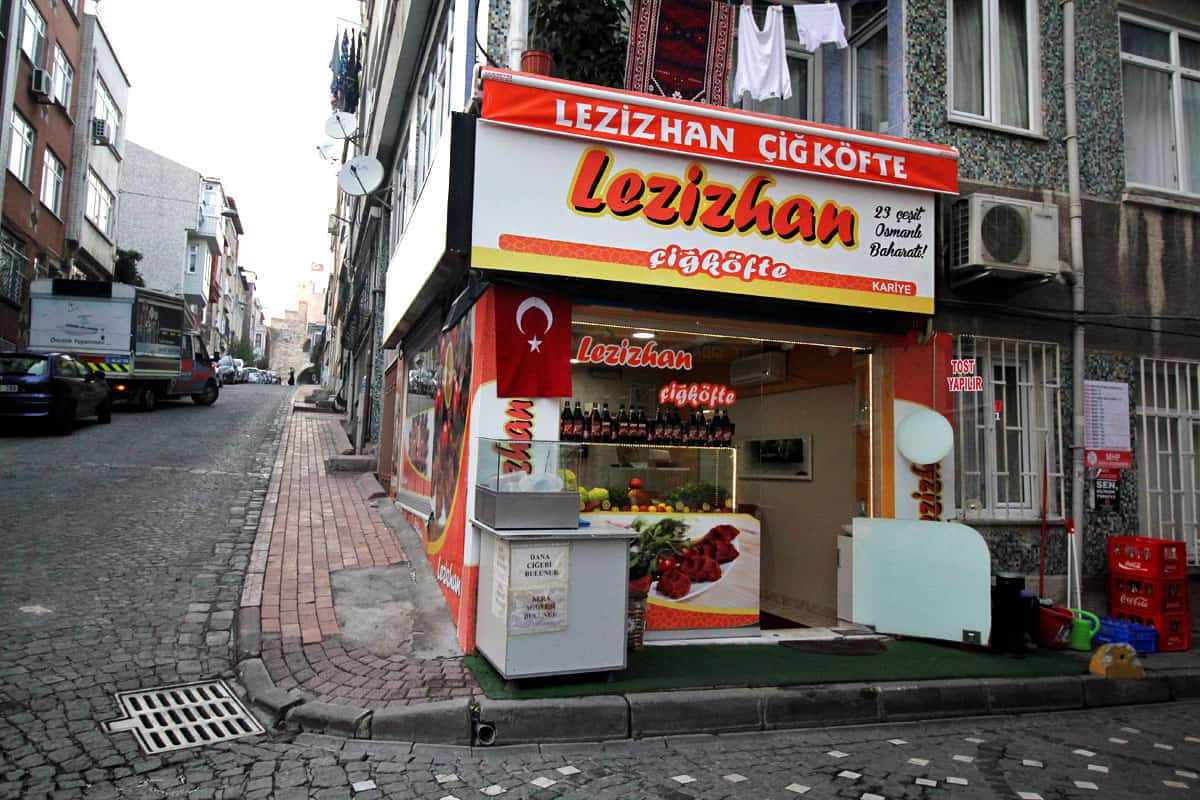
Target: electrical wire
[(1066, 317)]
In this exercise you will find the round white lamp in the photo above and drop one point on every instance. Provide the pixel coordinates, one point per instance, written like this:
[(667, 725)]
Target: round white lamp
[(924, 437)]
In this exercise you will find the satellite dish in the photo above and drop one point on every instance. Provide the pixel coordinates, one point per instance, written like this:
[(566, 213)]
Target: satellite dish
[(342, 125), (924, 437), (361, 176)]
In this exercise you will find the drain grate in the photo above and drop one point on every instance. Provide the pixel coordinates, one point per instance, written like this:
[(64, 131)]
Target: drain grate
[(183, 716)]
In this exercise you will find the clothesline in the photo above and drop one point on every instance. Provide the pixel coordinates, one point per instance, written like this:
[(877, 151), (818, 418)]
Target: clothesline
[(776, 2)]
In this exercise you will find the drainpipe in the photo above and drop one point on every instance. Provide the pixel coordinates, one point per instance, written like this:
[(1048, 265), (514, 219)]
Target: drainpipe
[(1074, 543), (518, 29)]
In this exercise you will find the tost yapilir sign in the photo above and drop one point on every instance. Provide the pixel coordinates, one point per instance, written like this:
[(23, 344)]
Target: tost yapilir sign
[(649, 191)]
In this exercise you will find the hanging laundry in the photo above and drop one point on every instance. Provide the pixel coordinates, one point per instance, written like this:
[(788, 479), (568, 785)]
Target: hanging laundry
[(350, 83), (819, 24), (762, 68), (335, 66)]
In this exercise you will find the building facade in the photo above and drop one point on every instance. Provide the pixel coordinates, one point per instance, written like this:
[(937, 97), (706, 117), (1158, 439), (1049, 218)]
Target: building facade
[(43, 45), (187, 230), (1055, 328), (98, 153)]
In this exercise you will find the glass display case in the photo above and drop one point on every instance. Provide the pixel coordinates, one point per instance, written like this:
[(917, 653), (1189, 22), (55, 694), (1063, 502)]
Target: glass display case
[(527, 484), (636, 477)]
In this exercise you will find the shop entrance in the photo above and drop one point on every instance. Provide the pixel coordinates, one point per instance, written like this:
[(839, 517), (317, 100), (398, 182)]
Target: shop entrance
[(795, 464)]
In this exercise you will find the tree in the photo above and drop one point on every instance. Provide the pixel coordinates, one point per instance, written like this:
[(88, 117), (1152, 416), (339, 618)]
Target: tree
[(242, 349), (125, 267), (587, 37)]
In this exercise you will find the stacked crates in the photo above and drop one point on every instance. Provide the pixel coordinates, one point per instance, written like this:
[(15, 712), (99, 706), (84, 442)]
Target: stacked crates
[(1148, 586)]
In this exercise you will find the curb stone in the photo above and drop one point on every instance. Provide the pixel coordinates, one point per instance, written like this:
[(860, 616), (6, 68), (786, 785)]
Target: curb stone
[(441, 722), (1099, 692), (263, 692), (691, 711), (928, 700), (353, 722), (1039, 694), (567, 720)]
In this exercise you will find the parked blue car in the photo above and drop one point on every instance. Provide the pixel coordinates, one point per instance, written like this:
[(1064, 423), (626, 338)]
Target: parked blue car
[(56, 387)]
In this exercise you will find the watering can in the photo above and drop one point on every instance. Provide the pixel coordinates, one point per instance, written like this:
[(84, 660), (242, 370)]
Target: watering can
[(1085, 626)]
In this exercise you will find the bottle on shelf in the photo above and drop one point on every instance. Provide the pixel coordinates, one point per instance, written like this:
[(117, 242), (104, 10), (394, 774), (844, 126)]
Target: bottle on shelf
[(606, 426), (622, 425), (676, 436), (696, 428), (727, 432), (641, 425), (566, 424), (591, 424), (577, 423)]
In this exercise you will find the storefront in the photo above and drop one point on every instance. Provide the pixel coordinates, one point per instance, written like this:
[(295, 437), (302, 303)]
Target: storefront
[(720, 315)]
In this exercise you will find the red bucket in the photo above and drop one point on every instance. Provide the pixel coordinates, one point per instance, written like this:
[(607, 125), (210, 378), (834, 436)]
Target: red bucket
[(1054, 627)]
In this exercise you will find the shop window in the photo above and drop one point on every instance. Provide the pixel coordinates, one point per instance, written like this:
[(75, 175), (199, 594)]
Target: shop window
[(1168, 441), (1010, 431), (869, 67), (993, 63), (1160, 85)]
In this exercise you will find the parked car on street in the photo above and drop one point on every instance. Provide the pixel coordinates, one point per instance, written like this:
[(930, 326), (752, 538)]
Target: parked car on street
[(55, 387), (226, 371), (253, 375)]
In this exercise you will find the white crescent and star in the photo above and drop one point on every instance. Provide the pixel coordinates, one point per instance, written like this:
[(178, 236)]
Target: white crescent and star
[(539, 304)]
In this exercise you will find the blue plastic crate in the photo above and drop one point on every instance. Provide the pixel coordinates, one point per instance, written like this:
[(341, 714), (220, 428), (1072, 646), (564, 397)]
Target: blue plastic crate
[(1143, 638)]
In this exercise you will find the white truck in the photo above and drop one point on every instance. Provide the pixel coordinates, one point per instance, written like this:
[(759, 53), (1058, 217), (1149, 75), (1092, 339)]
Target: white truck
[(143, 341)]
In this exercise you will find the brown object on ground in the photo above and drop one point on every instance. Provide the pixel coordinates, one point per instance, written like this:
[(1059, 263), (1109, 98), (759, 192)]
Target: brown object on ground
[(1116, 661)]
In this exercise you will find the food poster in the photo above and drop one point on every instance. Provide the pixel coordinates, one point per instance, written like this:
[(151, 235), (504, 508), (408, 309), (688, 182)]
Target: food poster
[(452, 382), (417, 438), (698, 571), (922, 491)]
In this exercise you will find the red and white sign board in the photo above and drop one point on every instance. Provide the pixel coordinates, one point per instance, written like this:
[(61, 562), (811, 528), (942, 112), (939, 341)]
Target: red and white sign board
[(1106, 438), (695, 200)]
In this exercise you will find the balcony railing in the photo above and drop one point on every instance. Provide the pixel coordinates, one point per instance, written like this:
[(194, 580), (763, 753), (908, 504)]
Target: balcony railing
[(12, 273)]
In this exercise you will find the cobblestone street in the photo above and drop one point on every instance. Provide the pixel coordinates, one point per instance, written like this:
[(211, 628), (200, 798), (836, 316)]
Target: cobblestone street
[(124, 560)]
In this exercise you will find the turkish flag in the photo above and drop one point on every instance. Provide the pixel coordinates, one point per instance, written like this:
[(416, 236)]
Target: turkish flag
[(533, 343)]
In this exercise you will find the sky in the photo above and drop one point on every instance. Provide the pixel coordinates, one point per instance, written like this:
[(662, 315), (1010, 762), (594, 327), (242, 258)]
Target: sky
[(239, 90)]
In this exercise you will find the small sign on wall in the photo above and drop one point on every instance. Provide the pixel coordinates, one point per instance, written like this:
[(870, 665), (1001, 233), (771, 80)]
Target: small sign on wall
[(539, 588), (1106, 491)]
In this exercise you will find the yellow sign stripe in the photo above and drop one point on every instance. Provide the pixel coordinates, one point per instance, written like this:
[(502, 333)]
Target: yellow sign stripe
[(511, 261)]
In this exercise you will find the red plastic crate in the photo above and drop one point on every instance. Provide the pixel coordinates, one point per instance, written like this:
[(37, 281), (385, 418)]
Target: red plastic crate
[(1174, 630), (1143, 557), (1147, 596)]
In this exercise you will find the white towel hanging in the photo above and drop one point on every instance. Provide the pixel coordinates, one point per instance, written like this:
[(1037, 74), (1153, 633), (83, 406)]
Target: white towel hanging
[(762, 68), (818, 24)]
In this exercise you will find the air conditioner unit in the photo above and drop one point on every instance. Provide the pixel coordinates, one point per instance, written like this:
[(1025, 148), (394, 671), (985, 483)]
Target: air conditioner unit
[(41, 86), (769, 367), (100, 131), (1004, 236)]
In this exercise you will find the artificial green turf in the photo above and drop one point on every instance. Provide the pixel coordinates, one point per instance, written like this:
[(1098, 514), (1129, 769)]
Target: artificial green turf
[(702, 666)]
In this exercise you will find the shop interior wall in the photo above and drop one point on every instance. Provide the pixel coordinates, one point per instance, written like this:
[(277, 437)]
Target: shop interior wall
[(801, 520)]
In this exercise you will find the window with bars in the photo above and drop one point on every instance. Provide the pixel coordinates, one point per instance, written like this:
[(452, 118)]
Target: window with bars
[(12, 267), (1168, 425), (1010, 433)]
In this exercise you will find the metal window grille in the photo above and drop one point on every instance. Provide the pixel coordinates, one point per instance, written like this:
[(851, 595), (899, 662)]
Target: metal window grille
[(1010, 433), (12, 269), (1169, 476)]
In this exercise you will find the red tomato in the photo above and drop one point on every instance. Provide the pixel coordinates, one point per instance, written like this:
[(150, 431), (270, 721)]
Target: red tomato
[(635, 483), (685, 553), (666, 563)]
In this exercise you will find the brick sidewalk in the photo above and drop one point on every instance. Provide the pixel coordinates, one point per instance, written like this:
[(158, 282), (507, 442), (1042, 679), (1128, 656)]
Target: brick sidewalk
[(314, 523)]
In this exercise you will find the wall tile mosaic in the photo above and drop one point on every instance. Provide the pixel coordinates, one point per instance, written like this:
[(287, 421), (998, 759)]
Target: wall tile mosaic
[(1002, 158)]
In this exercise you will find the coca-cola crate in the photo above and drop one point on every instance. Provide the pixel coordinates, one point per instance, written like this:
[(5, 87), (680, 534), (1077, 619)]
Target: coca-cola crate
[(1174, 630), (1143, 557), (1147, 596)]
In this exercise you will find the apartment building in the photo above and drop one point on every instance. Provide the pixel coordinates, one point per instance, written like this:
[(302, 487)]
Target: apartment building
[(41, 99)]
